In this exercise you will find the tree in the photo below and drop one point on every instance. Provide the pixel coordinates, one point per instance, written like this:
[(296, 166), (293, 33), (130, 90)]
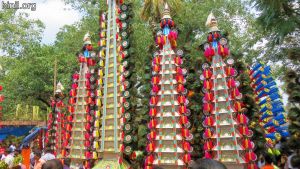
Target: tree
[(17, 31), (280, 21)]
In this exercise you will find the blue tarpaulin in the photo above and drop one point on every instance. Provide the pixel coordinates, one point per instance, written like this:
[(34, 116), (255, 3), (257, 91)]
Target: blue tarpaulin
[(32, 135), (15, 131)]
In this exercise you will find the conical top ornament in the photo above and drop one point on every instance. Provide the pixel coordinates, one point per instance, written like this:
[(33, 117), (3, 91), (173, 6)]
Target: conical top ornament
[(87, 39), (166, 13), (212, 23), (59, 88)]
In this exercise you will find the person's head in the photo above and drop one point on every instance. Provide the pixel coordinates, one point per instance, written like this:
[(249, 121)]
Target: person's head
[(207, 164), (268, 159), (48, 149), (52, 164), (67, 162), (37, 154)]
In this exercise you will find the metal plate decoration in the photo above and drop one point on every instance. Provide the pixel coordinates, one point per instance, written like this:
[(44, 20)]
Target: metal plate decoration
[(155, 54), (125, 63), (93, 54), (203, 100), (205, 66), (184, 71), (126, 105), (159, 33), (125, 44), (186, 102), (235, 73), (92, 79), (239, 96), (206, 45), (123, 16), (125, 52), (187, 125), (128, 138), (127, 127), (202, 77), (127, 116), (185, 92), (223, 41), (204, 90), (188, 112), (128, 150), (191, 149), (230, 61), (124, 7), (179, 52), (126, 73), (190, 137), (126, 94), (126, 83), (124, 34), (124, 25)]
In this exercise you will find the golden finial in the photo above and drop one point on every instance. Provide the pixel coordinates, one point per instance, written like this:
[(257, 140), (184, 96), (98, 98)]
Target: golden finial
[(59, 88), (166, 13), (87, 39), (212, 23)]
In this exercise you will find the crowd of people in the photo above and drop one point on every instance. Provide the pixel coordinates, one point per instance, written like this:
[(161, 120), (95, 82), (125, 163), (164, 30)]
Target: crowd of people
[(39, 159), (45, 159)]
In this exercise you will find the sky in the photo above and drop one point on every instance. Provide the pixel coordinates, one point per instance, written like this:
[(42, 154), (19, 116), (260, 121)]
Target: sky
[(53, 13)]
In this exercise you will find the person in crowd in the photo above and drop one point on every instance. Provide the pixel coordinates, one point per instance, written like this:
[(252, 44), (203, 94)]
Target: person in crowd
[(67, 163), (48, 154), (269, 163), (9, 159), (37, 158), (288, 164), (12, 146), (260, 161), (52, 164), (206, 164)]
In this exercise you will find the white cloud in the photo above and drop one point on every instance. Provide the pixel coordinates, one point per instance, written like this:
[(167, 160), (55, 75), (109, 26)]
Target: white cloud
[(54, 14)]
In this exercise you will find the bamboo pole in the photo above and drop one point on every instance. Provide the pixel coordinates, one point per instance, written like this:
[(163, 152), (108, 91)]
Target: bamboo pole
[(55, 76)]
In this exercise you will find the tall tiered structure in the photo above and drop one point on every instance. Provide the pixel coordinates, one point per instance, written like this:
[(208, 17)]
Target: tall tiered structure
[(55, 127), (226, 135), (114, 126), (272, 114), (169, 135), (79, 136)]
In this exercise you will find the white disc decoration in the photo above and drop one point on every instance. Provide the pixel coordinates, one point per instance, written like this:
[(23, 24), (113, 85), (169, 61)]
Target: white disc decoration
[(93, 54), (239, 96), (230, 61), (180, 52), (223, 41), (202, 77), (206, 45), (159, 33), (184, 71), (205, 66), (237, 83)]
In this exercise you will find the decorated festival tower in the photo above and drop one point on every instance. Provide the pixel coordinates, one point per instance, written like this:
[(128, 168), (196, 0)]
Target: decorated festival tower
[(113, 93), (169, 136), (80, 127), (273, 118), (226, 136), (56, 122)]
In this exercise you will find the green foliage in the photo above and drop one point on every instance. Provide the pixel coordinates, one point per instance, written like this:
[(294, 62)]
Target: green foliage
[(3, 165), (280, 22), (17, 32)]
